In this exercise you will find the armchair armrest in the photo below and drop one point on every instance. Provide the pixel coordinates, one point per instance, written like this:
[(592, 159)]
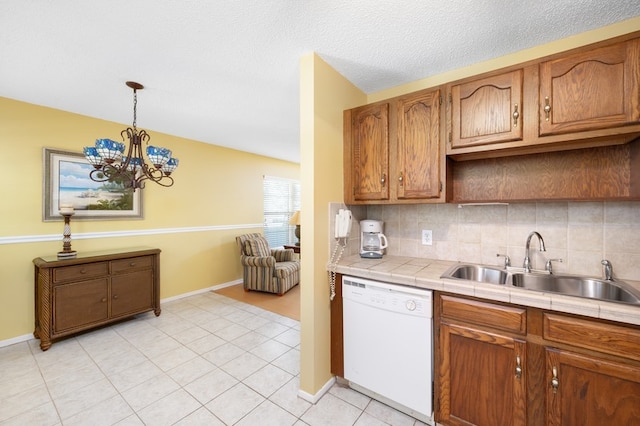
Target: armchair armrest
[(282, 255), (261, 261)]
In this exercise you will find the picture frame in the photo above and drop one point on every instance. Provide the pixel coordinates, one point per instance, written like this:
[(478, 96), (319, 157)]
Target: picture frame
[(66, 182)]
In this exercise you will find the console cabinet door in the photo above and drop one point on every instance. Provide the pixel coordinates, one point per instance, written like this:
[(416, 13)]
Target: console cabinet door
[(131, 292), (370, 152), (418, 170), (481, 377), (79, 304), (591, 90), (582, 390), (487, 111)]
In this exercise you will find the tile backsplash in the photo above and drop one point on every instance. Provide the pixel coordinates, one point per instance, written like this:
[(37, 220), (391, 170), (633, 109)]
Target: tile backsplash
[(579, 233)]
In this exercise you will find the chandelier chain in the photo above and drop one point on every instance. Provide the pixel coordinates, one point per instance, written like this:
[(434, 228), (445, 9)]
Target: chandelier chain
[(135, 108)]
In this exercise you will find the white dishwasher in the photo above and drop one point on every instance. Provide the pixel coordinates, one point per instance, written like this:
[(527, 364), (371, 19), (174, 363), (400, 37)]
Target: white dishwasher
[(388, 342)]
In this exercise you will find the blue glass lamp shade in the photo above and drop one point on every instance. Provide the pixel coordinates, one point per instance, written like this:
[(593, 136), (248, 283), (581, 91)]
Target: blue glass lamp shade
[(170, 166), (109, 150), (134, 163), (92, 156), (158, 156)]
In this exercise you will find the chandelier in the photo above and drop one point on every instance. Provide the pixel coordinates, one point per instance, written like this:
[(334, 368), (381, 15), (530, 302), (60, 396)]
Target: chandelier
[(131, 170)]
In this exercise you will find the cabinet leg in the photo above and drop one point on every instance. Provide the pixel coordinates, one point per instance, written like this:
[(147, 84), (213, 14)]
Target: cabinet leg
[(44, 345), (157, 312)]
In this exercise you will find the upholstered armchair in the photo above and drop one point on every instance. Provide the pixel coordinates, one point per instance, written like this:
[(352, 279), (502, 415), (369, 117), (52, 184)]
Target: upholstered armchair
[(266, 269)]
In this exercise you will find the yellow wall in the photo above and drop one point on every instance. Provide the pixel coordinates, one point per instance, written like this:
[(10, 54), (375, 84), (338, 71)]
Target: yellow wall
[(214, 187), (324, 95)]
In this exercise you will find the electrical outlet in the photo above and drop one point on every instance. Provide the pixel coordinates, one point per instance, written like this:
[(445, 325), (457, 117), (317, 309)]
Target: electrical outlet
[(427, 237)]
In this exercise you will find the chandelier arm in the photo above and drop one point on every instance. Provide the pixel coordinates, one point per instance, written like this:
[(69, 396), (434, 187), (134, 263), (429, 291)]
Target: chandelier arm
[(97, 175), (153, 174), (129, 134), (165, 181)]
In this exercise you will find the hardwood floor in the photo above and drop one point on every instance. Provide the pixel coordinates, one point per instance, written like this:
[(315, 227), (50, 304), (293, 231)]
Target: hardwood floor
[(287, 305)]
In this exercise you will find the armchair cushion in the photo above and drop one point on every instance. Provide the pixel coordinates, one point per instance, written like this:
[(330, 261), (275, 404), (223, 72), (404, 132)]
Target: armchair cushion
[(257, 247)]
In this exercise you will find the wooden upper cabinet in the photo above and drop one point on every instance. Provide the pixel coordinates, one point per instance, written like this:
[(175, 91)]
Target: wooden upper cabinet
[(392, 150), (418, 165), (487, 111), (370, 152), (591, 90)]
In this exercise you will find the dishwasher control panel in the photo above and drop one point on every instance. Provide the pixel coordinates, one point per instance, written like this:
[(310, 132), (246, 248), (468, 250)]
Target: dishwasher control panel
[(392, 297)]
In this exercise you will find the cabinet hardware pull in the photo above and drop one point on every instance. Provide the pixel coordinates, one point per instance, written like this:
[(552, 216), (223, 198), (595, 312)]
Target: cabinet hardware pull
[(518, 368), (400, 178), (516, 115), (104, 299), (83, 271), (383, 179), (547, 108), (555, 383), (115, 296), (132, 264)]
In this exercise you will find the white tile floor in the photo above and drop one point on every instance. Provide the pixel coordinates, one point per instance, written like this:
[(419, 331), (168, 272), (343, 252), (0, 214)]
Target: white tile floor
[(207, 360)]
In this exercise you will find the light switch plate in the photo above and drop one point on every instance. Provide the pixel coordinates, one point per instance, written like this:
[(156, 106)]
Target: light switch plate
[(427, 237)]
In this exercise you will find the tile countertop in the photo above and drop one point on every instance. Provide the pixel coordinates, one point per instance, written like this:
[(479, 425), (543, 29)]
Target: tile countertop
[(425, 273)]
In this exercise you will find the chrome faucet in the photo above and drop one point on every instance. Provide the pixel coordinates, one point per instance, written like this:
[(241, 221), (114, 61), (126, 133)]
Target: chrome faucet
[(527, 260), (608, 270)]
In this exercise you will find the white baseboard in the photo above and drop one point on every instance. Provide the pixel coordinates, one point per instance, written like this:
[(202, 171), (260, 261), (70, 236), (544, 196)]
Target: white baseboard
[(26, 337), (17, 339), (225, 285), (316, 397)]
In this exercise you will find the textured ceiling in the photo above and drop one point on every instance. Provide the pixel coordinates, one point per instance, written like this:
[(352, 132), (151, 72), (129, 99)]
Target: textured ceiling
[(227, 72)]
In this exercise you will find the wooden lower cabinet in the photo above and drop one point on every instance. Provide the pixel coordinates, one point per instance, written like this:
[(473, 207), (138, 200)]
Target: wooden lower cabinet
[(478, 383), (584, 390), (501, 364), (479, 361), (93, 289)]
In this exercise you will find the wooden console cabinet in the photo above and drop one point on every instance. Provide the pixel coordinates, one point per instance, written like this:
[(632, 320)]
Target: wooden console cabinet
[(93, 289)]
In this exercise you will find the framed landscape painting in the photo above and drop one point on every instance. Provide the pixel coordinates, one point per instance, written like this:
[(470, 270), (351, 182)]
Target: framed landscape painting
[(66, 183)]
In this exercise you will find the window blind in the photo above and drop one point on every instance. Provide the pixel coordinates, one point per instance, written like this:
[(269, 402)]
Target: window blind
[(281, 200)]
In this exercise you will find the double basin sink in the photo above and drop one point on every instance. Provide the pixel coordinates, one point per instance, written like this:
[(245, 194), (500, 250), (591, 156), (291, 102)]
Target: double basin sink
[(571, 285)]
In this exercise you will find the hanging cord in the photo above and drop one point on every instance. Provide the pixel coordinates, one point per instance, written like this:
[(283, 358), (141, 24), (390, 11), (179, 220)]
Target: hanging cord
[(341, 243)]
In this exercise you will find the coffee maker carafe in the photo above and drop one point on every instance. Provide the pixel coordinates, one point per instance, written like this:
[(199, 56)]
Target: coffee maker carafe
[(372, 240)]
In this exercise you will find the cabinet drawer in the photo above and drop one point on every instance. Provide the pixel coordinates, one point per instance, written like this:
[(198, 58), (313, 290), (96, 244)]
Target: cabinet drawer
[(608, 338), (80, 272), (130, 264), (507, 318)]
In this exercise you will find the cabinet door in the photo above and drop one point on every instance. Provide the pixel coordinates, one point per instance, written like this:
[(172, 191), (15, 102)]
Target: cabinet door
[(582, 390), (79, 304), (591, 90), (370, 152), (481, 378), (418, 171), (487, 111), (131, 292)]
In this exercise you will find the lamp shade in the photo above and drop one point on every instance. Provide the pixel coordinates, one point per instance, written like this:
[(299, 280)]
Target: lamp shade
[(295, 219)]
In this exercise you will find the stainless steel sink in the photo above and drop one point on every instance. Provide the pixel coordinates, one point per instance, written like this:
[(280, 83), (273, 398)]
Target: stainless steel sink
[(571, 285), (577, 286), (478, 273)]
